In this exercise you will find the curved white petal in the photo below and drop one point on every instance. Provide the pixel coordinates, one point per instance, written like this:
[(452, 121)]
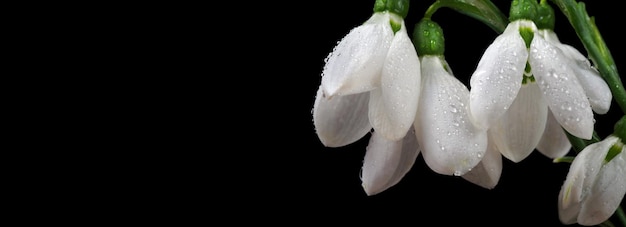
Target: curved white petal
[(498, 77), (554, 142), (595, 87), (581, 176), (386, 162), (400, 87), (567, 214), (341, 120), (519, 130), (606, 193), (562, 91), (487, 173), (450, 143), (355, 64)]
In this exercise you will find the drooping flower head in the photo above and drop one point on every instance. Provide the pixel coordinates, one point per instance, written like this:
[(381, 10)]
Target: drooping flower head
[(370, 79), (449, 142), (595, 184), (524, 80)]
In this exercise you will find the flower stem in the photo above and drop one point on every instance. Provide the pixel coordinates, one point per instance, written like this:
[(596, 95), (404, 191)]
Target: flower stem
[(482, 10), (592, 40), (607, 223), (579, 144), (566, 159), (620, 215)]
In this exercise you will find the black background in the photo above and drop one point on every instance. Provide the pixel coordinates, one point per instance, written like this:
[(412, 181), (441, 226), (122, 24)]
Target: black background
[(293, 179)]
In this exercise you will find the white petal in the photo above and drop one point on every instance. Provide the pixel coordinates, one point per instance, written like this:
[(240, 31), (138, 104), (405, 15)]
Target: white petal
[(498, 77), (400, 87), (450, 143), (561, 89), (341, 120), (355, 64), (595, 87), (554, 143), (519, 130), (607, 192), (569, 214), (597, 90), (583, 172), (487, 173), (386, 162)]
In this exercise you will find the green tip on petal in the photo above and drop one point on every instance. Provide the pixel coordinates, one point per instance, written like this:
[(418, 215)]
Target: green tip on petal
[(528, 79), (523, 9), (545, 16), (614, 151), (428, 38), (527, 34)]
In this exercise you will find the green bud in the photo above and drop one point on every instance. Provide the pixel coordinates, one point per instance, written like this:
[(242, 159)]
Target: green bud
[(400, 7), (545, 16), (620, 129), (523, 9), (428, 38), (380, 6)]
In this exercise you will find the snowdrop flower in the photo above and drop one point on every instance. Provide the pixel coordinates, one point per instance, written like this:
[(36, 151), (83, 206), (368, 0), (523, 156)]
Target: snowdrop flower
[(487, 173), (371, 79), (449, 142), (386, 161), (594, 187), (525, 80), (596, 89)]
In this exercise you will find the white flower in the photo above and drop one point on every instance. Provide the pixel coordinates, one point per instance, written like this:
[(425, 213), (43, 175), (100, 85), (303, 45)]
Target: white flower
[(444, 134), (371, 75), (519, 130), (487, 173), (554, 143), (596, 89), (386, 162), (521, 114), (593, 188), (449, 142)]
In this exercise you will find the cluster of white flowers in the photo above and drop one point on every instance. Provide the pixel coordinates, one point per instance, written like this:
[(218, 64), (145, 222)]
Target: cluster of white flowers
[(523, 94)]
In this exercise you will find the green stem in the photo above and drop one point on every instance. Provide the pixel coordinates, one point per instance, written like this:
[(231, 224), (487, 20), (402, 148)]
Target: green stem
[(579, 144), (607, 223), (619, 213), (566, 159), (599, 53), (482, 10)]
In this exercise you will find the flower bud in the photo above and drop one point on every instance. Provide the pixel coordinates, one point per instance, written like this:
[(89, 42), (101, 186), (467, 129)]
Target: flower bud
[(428, 38), (523, 9)]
